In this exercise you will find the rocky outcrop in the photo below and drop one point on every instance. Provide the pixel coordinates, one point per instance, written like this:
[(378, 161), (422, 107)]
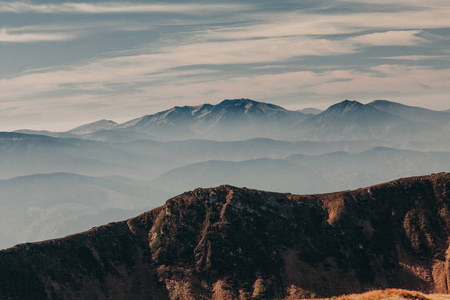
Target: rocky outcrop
[(230, 243)]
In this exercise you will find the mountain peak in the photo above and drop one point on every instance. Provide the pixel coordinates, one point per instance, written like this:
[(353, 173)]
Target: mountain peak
[(237, 101), (247, 103), (352, 119), (347, 104), (93, 127), (238, 118), (344, 108)]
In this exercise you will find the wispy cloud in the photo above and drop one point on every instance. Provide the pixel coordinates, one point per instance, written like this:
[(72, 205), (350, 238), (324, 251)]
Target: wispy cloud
[(115, 7), (396, 20), (12, 37), (389, 38), (407, 3), (418, 57), (388, 79), (225, 51), (285, 37), (315, 24), (139, 68)]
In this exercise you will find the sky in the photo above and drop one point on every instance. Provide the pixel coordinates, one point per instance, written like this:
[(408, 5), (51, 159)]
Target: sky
[(69, 63)]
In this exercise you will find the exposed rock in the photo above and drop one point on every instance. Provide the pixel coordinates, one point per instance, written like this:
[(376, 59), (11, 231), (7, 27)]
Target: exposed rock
[(229, 243)]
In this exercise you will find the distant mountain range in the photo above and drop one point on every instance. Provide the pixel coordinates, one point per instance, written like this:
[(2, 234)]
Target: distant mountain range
[(244, 118), (348, 145), (27, 154), (239, 243)]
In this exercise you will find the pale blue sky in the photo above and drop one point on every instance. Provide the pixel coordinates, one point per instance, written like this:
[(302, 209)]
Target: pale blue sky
[(68, 63)]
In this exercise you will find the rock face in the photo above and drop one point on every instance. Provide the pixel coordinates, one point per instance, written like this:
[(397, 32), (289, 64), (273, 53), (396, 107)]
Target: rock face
[(231, 243)]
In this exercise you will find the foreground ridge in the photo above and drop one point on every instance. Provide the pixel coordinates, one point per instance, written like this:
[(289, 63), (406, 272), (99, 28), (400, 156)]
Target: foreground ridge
[(229, 243)]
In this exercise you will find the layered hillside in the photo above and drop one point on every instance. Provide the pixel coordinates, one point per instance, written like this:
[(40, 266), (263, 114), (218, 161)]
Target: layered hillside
[(229, 243)]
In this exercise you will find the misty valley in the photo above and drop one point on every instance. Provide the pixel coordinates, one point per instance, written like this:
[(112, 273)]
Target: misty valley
[(58, 183)]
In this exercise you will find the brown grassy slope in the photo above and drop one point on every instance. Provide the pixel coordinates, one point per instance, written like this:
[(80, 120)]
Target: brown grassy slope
[(391, 294)]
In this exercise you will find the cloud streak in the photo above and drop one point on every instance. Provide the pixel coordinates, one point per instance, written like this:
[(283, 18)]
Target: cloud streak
[(8, 37), (280, 39), (388, 79), (115, 7), (139, 68), (406, 3), (316, 24), (418, 57), (389, 38)]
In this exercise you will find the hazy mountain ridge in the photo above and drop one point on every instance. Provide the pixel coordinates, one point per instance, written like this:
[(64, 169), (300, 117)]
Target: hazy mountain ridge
[(262, 173), (217, 121), (351, 120), (211, 114), (386, 235), (299, 173), (241, 119), (245, 118), (25, 154), (44, 206), (432, 117)]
